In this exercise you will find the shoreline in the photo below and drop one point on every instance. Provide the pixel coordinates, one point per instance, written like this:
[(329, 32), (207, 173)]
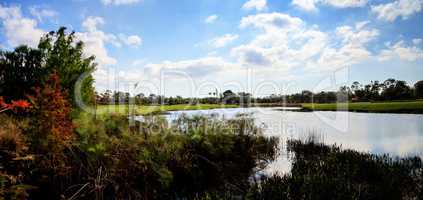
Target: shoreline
[(403, 107)]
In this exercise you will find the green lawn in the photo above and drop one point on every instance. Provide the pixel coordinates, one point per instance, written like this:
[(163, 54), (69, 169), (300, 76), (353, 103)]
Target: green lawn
[(142, 110), (379, 107)]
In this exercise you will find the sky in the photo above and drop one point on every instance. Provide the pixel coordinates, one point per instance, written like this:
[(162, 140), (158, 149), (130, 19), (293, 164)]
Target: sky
[(194, 47)]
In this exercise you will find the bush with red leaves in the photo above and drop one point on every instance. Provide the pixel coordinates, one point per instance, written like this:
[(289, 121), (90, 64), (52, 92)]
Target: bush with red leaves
[(52, 127)]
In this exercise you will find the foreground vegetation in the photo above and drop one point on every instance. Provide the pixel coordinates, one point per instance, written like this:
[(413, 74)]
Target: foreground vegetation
[(375, 107), (192, 158), (144, 110), (106, 158)]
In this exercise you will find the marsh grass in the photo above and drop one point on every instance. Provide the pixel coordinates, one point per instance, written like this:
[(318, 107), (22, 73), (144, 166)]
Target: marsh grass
[(322, 171)]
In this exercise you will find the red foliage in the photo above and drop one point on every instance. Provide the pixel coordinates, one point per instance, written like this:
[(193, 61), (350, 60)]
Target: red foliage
[(52, 126), (20, 104), (15, 105), (52, 110)]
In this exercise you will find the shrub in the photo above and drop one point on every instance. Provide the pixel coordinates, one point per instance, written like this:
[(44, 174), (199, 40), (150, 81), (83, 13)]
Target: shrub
[(52, 113), (50, 134)]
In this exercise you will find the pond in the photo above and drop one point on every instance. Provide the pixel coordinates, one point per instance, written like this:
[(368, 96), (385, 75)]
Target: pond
[(396, 134)]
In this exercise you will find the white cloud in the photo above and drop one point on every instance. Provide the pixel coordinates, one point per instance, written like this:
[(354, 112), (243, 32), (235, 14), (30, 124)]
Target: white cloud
[(223, 40), (307, 5), (351, 50), (193, 68), (401, 51), (345, 3), (271, 21), (356, 36), (91, 23), (360, 25), (42, 13), (18, 29), (210, 19), (252, 55), (400, 8), (255, 4), (287, 42), (417, 41), (119, 2), (132, 40), (311, 5), (95, 40)]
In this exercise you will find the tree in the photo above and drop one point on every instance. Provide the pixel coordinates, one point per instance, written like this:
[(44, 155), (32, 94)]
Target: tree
[(58, 52), (375, 87), (228, 93), (65, 56), (20, 70), (418, 89), (306, 96), (358, 90), (229, 97), (395, 90)]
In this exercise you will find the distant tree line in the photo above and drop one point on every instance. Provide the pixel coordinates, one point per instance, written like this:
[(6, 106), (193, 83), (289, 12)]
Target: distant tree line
[(119, 97), (388, 90)]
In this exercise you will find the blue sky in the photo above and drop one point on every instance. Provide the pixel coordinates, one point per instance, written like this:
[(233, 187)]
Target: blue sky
[(191, 47)]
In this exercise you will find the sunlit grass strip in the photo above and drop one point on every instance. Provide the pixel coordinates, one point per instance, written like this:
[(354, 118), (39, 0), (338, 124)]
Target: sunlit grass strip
[(378, 107), (143, 110)]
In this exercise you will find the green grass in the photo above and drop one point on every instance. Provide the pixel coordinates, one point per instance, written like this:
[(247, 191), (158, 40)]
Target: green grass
[(379, 107), (143, 110)]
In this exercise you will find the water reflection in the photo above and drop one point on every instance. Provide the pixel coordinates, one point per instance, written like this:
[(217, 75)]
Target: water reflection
[(396, 134)]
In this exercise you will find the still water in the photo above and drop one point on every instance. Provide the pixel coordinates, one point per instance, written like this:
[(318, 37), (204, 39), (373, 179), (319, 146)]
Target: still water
[(396, 134)]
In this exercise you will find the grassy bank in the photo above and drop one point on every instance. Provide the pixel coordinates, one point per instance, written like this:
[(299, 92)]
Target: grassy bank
[(143, 110), (378, 107)]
